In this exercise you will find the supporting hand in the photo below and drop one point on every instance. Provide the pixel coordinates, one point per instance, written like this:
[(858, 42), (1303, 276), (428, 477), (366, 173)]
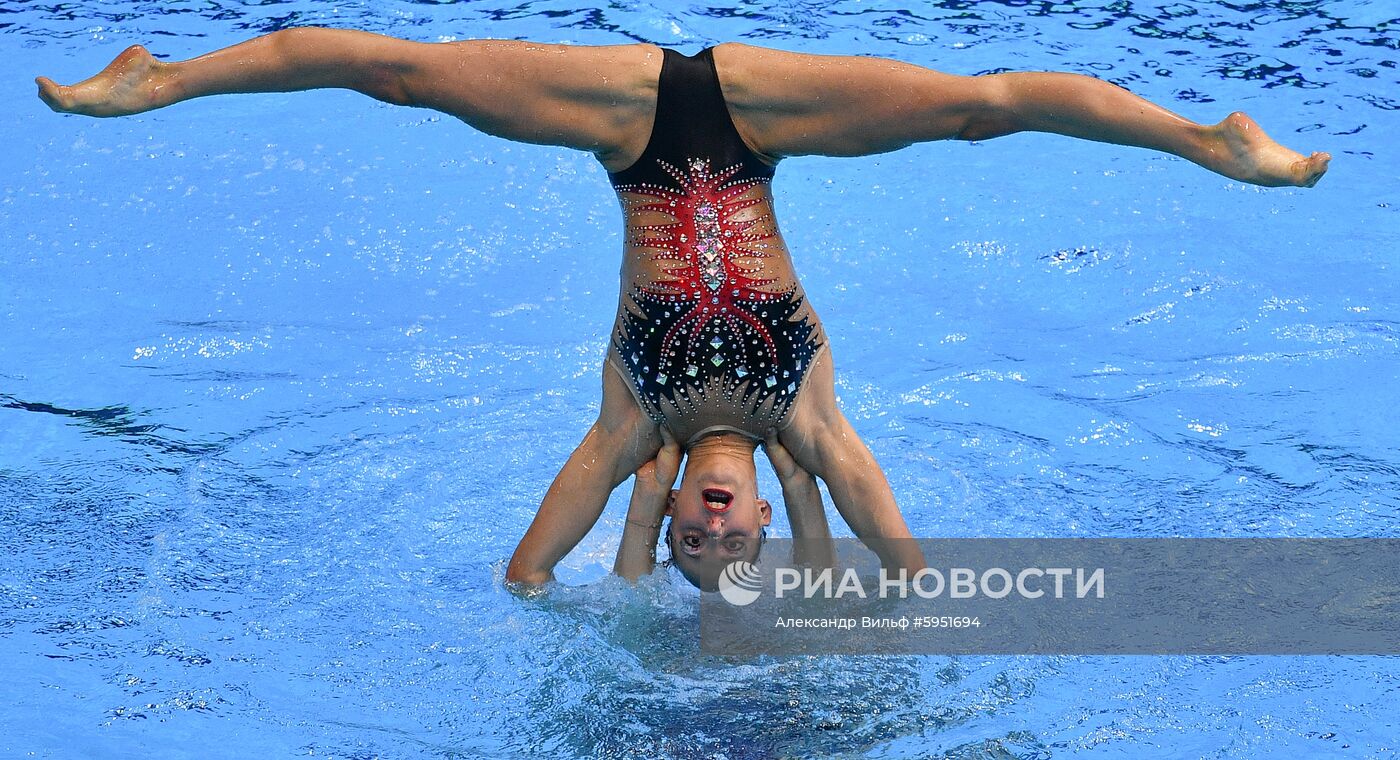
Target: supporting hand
[(651, 494), (655, 478), (812, 545)]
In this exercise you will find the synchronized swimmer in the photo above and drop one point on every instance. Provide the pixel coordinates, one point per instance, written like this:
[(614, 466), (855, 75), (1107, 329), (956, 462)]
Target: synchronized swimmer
[(715, 349)]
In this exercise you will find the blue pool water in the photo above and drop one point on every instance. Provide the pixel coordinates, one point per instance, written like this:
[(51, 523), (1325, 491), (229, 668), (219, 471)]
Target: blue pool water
[(283, 378)]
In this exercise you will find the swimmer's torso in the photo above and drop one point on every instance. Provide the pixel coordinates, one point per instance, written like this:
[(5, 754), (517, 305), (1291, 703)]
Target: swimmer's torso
[(713, 330)]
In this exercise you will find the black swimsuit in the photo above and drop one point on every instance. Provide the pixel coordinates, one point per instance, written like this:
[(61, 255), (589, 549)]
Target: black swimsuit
[(715, 345)]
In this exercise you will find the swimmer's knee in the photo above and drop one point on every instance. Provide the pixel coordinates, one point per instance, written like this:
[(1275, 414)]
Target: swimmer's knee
[(393, 75), (986, 129), (990, 109), (385, 84)]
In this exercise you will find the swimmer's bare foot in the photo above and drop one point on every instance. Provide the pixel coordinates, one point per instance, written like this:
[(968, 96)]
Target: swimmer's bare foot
[(133, 82), (1239, 149)]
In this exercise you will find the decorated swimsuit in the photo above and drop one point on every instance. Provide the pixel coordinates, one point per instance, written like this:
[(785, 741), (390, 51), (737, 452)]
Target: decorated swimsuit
[(713, 331)]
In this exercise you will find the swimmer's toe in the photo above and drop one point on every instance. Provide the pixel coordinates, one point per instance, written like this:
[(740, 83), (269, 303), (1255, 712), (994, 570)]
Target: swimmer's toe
[(1311, 169), (52, 94)]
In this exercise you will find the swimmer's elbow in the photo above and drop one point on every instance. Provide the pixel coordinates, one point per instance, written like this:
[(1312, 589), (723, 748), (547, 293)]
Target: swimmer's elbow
[(527, 584), (522, 574)]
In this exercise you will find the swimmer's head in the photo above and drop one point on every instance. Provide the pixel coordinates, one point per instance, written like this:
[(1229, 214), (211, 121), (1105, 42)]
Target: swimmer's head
[(717, 516)]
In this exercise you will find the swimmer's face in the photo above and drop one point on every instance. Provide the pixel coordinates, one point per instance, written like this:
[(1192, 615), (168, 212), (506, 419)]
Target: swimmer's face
[(716, 518)]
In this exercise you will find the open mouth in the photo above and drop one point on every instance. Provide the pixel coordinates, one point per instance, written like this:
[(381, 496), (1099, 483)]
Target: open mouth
[(717, 499)]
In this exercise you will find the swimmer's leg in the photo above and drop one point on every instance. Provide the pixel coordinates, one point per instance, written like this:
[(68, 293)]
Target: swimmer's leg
[(794, 104), (1092, 109), (591, 98)]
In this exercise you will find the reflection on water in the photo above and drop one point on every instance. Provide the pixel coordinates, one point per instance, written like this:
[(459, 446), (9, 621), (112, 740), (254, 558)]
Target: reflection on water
[(284, 379)]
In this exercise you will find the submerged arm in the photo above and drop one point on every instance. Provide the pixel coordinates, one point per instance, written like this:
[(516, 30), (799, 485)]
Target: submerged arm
[(834, 452), (619, 443), (823, 443), (812, 545), (651, 492)]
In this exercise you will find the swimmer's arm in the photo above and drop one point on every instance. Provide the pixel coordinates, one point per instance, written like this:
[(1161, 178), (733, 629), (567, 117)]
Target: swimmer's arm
[(812, 545), (646, 512), (570, 508), (618, 444), (595, 98), (830, 449)]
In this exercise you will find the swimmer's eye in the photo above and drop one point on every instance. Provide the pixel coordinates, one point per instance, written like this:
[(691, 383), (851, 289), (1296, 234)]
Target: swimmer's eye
[(692, 542), (737, 547)]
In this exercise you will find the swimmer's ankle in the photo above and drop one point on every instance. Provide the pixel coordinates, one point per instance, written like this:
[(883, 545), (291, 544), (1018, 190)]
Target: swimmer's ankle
[(132, 83), (1240, 149)]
